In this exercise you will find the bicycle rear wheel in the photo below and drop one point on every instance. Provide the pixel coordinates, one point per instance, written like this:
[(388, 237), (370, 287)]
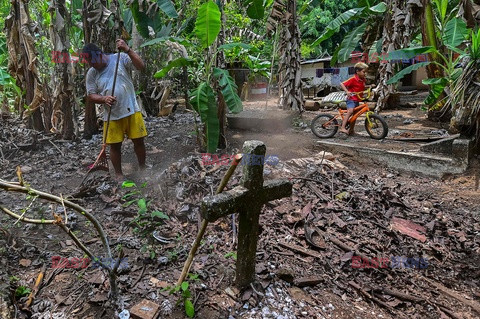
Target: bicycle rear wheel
[(377, 128), (324, 125)]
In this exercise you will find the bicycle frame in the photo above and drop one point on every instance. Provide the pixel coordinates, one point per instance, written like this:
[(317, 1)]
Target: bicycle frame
[(357, 111)]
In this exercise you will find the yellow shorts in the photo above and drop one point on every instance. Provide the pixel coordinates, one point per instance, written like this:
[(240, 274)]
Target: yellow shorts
[(132, 126)]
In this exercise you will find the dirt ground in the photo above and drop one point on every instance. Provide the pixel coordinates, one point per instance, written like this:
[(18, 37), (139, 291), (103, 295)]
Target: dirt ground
[(335, 200)]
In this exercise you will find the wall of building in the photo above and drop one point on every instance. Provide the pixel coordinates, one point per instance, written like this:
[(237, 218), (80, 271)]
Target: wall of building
[(309, 70)]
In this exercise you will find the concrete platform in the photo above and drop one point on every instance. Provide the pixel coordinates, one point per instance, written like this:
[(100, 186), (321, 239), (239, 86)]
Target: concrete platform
[(418, 162), (268, 120)]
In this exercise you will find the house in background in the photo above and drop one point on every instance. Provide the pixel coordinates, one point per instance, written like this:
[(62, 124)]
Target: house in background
[(320, 78)]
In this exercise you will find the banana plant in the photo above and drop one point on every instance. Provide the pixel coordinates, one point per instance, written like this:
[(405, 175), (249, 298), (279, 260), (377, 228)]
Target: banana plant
[(453, 35), (146, 14), (350, 41), (204, 99)]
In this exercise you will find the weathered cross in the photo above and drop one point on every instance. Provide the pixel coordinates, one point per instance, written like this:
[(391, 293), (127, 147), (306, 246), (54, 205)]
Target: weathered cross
[(247, 200)]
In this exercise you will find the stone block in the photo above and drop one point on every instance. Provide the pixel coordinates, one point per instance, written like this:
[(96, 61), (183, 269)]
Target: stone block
[(145, 309)]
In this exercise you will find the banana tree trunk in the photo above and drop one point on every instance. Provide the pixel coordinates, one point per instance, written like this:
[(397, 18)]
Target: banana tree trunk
[(291, 94), (22, 63), (429, 38), (90, 124), (63, 81), (222, 107), (400, 22)]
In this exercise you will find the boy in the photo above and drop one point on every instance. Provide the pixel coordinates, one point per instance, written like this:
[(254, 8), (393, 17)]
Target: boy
[(352, 86)]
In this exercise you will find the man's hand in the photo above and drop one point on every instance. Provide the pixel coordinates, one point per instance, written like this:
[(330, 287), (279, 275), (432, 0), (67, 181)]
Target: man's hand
[(122, 45), (109, 100)]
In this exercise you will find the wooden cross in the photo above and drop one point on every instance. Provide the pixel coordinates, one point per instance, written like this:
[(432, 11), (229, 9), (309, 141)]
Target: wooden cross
[(247, 200)]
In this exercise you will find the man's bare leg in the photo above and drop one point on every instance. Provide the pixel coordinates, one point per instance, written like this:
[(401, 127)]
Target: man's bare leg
[(139, 147), (116, 158)]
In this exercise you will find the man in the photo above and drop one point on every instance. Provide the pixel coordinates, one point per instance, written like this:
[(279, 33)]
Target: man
[(353, 87), (126, 118)]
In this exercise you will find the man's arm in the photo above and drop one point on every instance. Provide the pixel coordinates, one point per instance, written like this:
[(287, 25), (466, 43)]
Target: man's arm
[(136, 59)]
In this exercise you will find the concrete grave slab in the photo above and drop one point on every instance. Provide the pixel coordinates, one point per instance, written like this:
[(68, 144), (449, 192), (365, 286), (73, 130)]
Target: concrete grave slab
[(418, 162), (261, 120)]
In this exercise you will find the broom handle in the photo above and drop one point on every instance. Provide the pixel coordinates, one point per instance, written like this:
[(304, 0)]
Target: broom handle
[(113, 92)]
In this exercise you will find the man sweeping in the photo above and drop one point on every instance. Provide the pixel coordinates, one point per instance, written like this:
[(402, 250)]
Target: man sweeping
[(125, 116)]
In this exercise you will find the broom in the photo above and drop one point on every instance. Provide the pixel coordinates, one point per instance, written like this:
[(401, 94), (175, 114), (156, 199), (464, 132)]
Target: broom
[(101, 163)]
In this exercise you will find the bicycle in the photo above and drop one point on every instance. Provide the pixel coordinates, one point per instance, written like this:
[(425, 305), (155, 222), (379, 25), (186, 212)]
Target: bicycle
[(326, 125)]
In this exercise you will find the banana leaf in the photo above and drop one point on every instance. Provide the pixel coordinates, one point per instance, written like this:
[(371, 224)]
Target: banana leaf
[(336, 23), (207, 25), (167, 7), (256, 10), (379, 8), (350, 42), (455, 32), (409, 53), (203, 101), (140, 19), (435, 92), (229, 90), (397, 77), (230, 46), (173, 64), (163, 39)]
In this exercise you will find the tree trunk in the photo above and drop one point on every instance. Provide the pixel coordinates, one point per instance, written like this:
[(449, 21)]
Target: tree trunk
[(398, 28), (90, 126), (220, 63), (291, 93), (63, 92), (22, 62), (429, 38)]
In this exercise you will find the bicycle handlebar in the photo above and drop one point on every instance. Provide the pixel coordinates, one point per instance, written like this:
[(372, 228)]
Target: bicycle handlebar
[(361, 96)]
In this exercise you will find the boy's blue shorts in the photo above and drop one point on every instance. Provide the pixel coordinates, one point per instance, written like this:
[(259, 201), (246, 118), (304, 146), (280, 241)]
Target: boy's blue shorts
[(352, 104)]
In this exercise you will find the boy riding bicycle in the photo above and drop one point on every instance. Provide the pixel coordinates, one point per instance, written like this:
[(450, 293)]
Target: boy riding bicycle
[(352, 87)]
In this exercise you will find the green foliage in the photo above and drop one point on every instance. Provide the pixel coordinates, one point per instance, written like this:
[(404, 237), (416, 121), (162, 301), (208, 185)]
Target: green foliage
[(22, 291), (143, 20), (228, 88), (475, 44), (167, 7), (173, 64), (9, 90), (255, 9), (455, 32), (349, 43), (187, 299), (335, 24), (207, 25), (144, 221), (203, 101), (231, 254)]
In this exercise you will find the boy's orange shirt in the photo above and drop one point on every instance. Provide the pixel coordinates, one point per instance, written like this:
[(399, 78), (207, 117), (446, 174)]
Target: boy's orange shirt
[(355, 84)]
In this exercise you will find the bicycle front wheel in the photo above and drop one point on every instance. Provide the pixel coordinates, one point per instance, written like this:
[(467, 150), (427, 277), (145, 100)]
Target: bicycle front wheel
[(324, 125), (377, 128)]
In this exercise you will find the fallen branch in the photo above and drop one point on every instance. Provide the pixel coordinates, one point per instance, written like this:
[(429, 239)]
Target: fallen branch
[(366, 294), (112, 271), (27, 190), (36, 287), (301, 250), (475, 306)]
